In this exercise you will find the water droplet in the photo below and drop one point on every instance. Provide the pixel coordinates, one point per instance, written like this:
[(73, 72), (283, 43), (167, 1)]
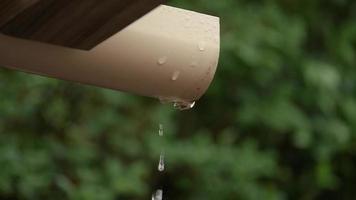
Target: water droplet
[(162, 60), (175, 75), (193, 64), (160, 131), (201, 46), (161, 162), (183, 105), (158, 195), (187, 18)]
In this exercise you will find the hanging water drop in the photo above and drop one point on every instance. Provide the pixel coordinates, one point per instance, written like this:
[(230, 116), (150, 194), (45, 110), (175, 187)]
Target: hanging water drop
[(162, 60), (175, 75), (183, 105), (161, 162)]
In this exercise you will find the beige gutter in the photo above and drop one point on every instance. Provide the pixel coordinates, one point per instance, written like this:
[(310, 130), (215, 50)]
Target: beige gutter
[(169, 53)]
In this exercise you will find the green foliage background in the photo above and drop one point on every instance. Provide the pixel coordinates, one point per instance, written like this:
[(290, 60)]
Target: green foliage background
[(278, 122)]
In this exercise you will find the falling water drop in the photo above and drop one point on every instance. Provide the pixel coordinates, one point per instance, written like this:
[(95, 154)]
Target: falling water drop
[(157, 195), (161, 162), (162, 60), (175, 75), (201, 46), (160, 131)]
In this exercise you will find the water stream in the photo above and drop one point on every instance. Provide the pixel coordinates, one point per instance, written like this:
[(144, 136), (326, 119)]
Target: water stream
[(179, 105), (158, 194)]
